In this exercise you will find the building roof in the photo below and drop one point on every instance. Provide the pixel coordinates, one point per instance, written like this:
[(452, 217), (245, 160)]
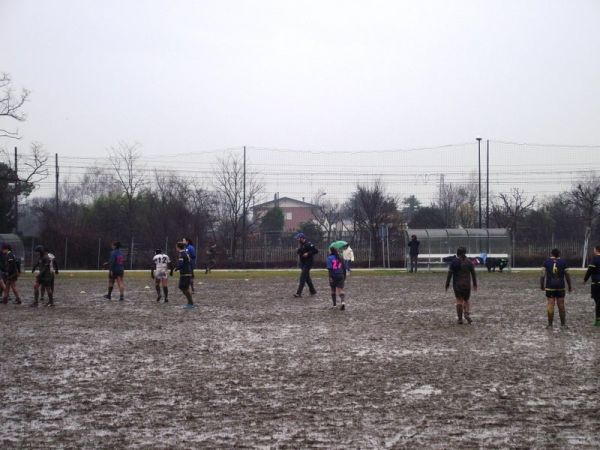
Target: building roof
[(272, 203)]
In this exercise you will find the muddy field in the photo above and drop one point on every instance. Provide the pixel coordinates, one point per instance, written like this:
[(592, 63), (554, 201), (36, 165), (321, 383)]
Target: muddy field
[(254, 367)]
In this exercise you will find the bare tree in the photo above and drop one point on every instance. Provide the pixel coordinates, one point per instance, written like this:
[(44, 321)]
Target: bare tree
[(229, 187), (327, 214), (125, 160), (586, 199), (510, 209), (457, 204), (11, 104)]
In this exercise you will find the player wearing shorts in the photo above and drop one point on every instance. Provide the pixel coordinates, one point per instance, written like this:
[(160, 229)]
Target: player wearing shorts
[(462, 272), (10, 274), (552, 281), (191, 250), (54, 266), (593, 271), (184, 266), (161, 268), (116, 271), (44, 279), (337, 276)]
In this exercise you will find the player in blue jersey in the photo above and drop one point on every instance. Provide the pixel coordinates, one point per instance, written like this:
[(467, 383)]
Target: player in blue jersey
[(184, 267), (552, 280), (116, 271), (337, 276), (461, 272), (189, 247), (593, 271)]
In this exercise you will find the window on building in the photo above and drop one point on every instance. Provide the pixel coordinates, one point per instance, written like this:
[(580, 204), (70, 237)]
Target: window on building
[(288, 216)]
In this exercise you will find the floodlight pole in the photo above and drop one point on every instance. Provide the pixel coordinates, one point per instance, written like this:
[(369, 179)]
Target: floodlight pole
[(244, 214), (487, 186), (479, 163)]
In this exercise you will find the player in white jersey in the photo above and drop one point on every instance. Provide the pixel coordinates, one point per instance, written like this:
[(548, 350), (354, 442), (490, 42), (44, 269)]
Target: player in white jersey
[(161, 268)]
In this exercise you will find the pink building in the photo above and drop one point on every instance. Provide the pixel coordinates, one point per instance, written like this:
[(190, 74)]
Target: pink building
[(294, 211)]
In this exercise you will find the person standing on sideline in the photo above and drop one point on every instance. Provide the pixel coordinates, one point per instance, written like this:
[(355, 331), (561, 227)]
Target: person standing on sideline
[(211, 255), (10, 274), (54, 266), (116, 271), (461, 272), (161, 265), (306, 252), (337, 276), (413, 253), (552, 280), (44, 278), (593, 270), (184, 266), (348, 257), (189, 247)]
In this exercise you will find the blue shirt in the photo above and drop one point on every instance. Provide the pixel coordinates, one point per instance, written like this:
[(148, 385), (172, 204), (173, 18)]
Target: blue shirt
[(192, 252), (555, 269), (116, 262), (336, 267)]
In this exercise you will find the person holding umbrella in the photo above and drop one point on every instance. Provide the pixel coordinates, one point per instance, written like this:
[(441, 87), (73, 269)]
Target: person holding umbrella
[(348, 257), (306, 252)]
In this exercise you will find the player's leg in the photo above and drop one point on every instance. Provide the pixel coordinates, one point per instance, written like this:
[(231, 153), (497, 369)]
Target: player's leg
[(562, 313), (333, 292), (157, 282), (309, 283), (459, 309), (550, 308), (184, 286), (111, 284), (342, 296), (36, 293), (12, 285), (48, 289), (302, 281), (165, 288), (121, 285)]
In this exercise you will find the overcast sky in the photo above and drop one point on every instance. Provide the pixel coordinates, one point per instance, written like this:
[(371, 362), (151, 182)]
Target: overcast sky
[(179, 76)]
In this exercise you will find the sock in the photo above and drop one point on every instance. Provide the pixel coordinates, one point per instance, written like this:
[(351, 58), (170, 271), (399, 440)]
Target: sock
[(188, 295), (110, 289), (166, 291), (50, 299), (459, 311), (333, 298), (550, 314), (562, 314), (36, 295), (597, 308), (342, 297), (157, 289)]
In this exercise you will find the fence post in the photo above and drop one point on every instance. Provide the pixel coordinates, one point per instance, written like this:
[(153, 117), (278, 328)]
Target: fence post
[(131, 255), (66, 251), (99, 249)]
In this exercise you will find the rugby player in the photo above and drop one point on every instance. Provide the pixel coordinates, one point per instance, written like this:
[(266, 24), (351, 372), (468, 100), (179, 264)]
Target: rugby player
[(461, 272)]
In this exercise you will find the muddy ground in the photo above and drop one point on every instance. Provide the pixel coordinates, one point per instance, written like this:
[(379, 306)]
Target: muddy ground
[(254, 367)]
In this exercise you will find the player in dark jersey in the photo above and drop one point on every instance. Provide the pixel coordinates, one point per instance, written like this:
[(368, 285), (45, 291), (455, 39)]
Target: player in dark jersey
[(461, 272), (116, 271), (44, 279), (306, 252), (211, 254), (337, 276), (552, 281), (593, 271), (189, 247), (10, 274), (54, 265), (413, 252), (184, 266)]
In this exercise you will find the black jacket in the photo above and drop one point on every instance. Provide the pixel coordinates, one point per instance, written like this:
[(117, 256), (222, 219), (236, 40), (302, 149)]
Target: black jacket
[(309, 248)]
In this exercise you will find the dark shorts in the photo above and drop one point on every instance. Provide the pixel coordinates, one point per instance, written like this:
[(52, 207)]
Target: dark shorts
[(596, 291), (337, 283), (555, 293), (45, 282), (116, 274), (462, 292), (184, 282)]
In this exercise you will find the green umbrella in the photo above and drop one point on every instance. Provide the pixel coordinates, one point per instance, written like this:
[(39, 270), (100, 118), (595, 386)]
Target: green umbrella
[(338, 244)]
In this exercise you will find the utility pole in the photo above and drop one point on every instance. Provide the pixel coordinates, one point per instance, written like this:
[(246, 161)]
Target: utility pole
[(487, 187), (244, 214), (17, 187), (56, 193), (479, 162)]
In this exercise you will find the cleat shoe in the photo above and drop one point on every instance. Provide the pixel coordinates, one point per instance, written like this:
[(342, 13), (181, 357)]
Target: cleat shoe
[(34, 305), (313, 293), (158, 298), (549, 326), (166, 300), (121, 299), (189, 306), (460, 321), (468, 318), (17, 301), (49, 304), (106, 296), (296, 295), (342, 307)]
